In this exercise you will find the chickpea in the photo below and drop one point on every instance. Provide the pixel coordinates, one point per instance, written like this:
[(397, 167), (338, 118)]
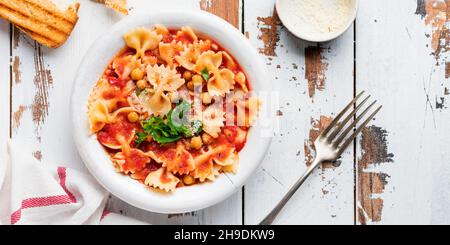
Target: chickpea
[(188, 180), (206, 98), (187, 75), (197, 80), (207, 139), (133, 117), (190, 85), (137, 74), (196, 143), (141, 84)]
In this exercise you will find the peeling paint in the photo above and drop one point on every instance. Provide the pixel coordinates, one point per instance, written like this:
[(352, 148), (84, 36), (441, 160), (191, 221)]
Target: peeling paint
[(269, 33), (17, 116), (16, 70), (436, 13), (37, 155), (440, 103), (228, 10), (16, 37), (43, 81), (279, 113), (447, 70), (315, 68), (374, 152), (317, 126), (420, 10)]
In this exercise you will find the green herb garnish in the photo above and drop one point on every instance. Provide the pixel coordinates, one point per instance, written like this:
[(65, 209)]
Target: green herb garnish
[(139, 91), (205, 74), (177, 126)]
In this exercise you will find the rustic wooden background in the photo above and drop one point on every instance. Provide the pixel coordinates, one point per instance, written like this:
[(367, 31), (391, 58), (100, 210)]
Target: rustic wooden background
[(398, 171)]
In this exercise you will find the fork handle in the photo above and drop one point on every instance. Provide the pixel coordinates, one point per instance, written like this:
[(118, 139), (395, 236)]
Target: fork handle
[(268, 220)]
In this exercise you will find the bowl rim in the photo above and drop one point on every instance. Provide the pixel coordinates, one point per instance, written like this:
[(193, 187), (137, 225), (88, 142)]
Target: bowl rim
[(92, 158), (310, 38)]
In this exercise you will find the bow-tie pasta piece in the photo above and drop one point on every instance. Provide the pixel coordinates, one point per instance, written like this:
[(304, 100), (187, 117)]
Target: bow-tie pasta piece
[(204, 167), (120, 128), (188, 58), (242, 81), (222, 83), (231, 168), (98, 115), (229, 61), (168, 51), (161, 30), (169, 80), (155, 103), (130, 161), (178, 160), (187, 35), (208, 60), (163, 180), (142, 39), (224, 155), (213, 120)]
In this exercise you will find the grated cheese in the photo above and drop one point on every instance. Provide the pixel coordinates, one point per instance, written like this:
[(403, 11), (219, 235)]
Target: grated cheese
[(318, 16)]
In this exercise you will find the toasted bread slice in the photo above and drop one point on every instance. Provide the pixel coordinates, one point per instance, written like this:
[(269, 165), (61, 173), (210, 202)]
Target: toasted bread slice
[(118, 5), (41, 19)]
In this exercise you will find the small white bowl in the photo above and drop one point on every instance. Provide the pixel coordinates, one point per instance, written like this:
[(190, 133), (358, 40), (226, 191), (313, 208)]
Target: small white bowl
[(289, 23), (185, 199)]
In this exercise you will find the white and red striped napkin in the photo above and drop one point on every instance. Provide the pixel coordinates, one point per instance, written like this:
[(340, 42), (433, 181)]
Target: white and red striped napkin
[(33, 193)]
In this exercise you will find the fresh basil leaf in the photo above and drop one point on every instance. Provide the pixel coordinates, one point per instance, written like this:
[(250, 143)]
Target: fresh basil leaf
[(205, 74), (178, 126), (141, 137)]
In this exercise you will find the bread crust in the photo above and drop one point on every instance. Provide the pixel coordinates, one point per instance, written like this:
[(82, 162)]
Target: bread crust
[(41, 19)]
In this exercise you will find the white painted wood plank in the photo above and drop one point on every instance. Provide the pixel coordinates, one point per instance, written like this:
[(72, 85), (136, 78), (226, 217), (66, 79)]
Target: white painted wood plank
[(327, 197), (4, 89), (395, 65), (48, 135)]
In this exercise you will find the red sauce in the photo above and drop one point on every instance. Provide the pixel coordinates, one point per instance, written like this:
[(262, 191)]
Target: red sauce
[(167, 39), (135, 160), (112, 93), (115, 81), (109, 134)]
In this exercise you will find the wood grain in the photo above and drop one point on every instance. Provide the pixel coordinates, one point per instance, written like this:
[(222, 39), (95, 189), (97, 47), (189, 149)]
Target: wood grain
[(396, 63), (399, 172), (228, 10), (327, 197)]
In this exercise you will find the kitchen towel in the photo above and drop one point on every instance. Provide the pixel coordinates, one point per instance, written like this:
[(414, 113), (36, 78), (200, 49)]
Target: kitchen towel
[(34, 193)]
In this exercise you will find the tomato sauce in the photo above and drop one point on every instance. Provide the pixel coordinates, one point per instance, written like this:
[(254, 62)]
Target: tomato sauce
[(108, 136)]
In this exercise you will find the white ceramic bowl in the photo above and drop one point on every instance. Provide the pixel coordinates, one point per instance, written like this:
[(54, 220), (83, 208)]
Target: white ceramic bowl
[(282, 7), (185, 199)]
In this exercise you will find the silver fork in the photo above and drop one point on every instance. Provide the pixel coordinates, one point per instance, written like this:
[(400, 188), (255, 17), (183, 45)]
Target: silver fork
[(329, 146)]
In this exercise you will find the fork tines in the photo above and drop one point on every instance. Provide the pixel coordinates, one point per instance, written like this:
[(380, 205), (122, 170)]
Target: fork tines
[(334, 133)]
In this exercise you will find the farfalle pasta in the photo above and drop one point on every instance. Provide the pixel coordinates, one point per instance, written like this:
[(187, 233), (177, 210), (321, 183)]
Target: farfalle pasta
[(172, 109)]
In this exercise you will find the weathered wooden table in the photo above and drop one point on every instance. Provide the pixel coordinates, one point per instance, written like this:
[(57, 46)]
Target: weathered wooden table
[(397, 172)]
